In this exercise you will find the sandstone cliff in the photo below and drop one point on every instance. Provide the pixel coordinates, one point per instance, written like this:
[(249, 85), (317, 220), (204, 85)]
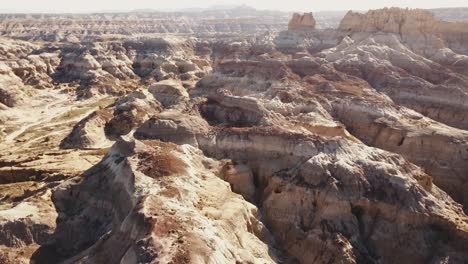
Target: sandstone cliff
[(413, 25)]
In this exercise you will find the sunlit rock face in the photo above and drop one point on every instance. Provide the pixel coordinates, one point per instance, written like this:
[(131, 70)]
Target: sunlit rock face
[(345, 145), (417, 27)]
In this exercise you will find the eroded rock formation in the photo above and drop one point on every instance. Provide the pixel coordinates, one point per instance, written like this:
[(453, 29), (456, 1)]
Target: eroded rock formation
[(419, 28), (308, 145), (188, 221), (302, 22)]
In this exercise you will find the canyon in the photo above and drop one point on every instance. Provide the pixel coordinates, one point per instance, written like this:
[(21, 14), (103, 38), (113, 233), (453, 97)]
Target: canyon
[(234, 136)]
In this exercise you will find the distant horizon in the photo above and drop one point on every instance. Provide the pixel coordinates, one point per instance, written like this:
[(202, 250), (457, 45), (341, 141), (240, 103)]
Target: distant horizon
[(126, 6), (3, 11)]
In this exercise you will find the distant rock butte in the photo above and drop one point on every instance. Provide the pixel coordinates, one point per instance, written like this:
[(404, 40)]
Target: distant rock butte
[(401, 21), (302, 22), (418, 28), (394, 20)]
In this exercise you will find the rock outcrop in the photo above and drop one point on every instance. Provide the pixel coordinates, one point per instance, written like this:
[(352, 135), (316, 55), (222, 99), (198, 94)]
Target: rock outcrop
[(102, 127), (169, 92), (129, 217), (419, 28), (302, 22), (391, 20)]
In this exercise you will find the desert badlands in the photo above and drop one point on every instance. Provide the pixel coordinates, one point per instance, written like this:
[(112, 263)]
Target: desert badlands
[(234, 136)]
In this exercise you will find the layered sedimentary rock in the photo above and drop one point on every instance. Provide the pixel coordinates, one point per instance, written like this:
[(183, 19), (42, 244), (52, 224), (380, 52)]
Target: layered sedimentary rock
[(169, 92), (117, 67), (195, 218), (75, 27), (419, 28), (391, 20), (308, 145)]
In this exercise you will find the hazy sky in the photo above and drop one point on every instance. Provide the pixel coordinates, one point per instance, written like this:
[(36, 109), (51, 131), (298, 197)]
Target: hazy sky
[(288, 5)]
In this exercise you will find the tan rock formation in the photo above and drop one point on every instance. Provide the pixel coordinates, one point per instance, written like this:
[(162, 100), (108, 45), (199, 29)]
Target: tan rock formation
[(172, 126), (196, 218), (391, 20), (169, 92), (412, 25), (302, 22), (102, 127), (12, 88), (89, 132), (241, 179), (301, 223)]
